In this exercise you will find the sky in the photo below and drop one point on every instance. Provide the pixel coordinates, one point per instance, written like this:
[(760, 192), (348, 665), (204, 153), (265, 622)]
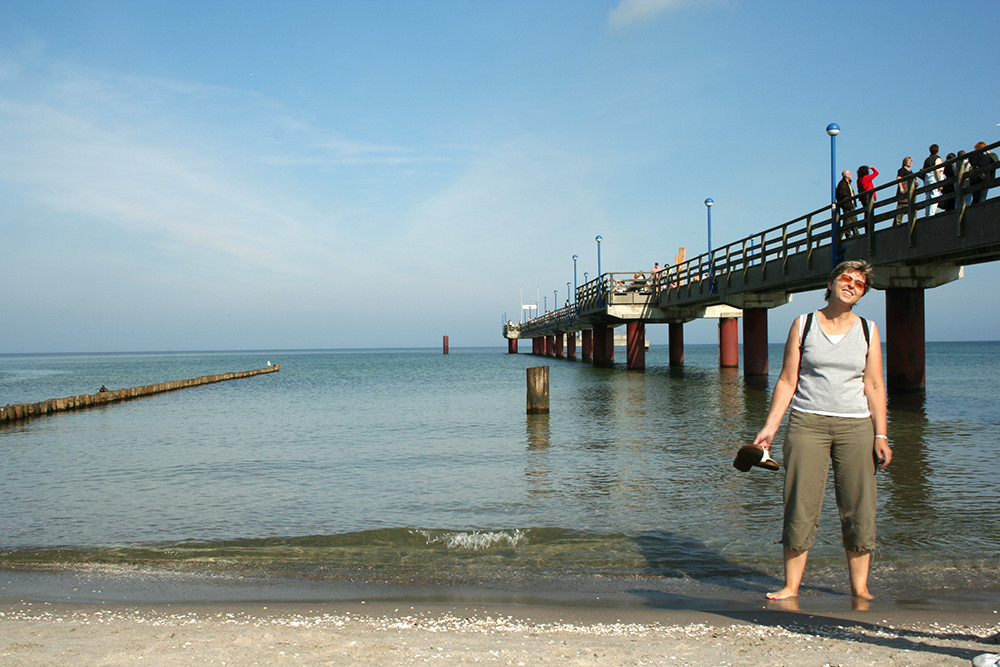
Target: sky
[(215, 175)]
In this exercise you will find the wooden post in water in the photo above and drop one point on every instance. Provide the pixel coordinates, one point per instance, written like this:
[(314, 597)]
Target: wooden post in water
[(538, 390), (445, 345)]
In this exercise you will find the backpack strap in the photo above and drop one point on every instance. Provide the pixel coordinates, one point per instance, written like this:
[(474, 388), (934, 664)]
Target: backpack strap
[(868, 336), (805, 330)]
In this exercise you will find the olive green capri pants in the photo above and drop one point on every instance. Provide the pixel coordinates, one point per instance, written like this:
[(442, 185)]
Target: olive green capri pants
[(811, 443)]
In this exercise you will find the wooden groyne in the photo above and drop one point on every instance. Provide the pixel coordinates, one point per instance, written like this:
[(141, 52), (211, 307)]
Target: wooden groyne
[(11, 413)]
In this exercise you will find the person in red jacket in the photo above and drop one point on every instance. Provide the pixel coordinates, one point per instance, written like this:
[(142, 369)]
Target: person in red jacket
[(866, 175)]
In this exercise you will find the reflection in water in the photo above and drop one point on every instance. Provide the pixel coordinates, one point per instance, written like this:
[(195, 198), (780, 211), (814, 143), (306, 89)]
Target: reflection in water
[(730, 390), (910, 492), (539, 471), (537, 428)]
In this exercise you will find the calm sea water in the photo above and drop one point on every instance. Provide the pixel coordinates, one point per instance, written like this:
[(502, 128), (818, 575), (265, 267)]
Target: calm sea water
[(419, 471)]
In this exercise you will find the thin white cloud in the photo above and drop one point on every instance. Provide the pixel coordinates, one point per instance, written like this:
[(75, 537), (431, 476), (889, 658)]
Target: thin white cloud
[(629, 12), (181, 170)]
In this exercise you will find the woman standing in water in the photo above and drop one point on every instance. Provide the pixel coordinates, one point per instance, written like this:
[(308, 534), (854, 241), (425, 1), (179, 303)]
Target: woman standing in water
[(832, 380)]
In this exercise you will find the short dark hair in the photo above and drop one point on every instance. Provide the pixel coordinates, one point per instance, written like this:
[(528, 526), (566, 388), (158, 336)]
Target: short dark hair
[(934, 149), (859, 265)]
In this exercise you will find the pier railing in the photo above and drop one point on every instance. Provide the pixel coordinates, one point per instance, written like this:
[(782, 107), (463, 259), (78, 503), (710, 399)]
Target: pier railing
[(809, 235)]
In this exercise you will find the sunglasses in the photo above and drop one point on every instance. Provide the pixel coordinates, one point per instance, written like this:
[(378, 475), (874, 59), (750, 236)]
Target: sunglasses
[(847, 280)]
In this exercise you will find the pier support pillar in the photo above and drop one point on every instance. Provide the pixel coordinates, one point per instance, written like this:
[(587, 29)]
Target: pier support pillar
[(604, 346), (550, 346), (557, 350), (587, 344), (904, 337), (729, 342), (635, 345), (571, 346), (538, 346), (904, 319), (511, 346), (676, 344), (755, 342), (445, 345)]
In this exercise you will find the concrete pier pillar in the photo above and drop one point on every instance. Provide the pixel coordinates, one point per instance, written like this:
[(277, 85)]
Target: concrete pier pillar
[(755, 342), (676, 344), (571, 346), (587, 344), (635, 345), (904, 337), (511, 346), (604, 346), (729, 342)]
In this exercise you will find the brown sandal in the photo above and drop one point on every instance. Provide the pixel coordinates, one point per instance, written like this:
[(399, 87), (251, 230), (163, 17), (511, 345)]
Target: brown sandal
[(754, 455)]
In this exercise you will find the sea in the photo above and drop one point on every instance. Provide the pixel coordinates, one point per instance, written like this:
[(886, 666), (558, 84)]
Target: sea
[(413, 475)]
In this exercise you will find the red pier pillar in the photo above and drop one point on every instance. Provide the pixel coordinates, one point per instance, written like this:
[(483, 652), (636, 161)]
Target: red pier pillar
[(445, 345), (571, 346), (557, 349), (904, 337), (511, 346), (587, 344), (635, 345), (676, 344), (538, 346), (604, 346), (729, 342), (550, 346), (755, 342)]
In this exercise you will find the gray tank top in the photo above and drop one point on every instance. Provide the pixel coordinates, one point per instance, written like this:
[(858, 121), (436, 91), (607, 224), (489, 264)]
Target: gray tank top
[(830, 373)]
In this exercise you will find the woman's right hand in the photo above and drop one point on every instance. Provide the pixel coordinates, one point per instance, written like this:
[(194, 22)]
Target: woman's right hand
[(765, 437)]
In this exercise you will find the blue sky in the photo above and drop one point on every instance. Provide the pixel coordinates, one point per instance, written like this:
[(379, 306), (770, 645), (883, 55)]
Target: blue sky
[(246, 175)]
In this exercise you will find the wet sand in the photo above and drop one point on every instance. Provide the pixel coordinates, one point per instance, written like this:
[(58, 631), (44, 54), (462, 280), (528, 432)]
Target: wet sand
[(34, 633)]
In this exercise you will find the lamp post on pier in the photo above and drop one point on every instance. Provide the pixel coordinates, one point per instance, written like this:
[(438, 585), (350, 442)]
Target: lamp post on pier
[(833, 130), (600, 292), (575, 257), (709, 203)]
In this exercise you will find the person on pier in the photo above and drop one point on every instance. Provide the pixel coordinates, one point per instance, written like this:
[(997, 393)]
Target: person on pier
[(905, 177), (832, 380), (866, 190), (845, 200), (934, 174)]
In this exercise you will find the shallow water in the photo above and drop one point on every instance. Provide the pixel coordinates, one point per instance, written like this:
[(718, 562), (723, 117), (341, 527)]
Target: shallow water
[(409, 467)]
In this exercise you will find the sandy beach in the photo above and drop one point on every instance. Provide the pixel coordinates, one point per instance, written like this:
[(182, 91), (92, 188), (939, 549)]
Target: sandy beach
[(36, 633)]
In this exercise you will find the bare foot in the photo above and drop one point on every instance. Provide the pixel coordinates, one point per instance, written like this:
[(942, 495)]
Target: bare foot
[(783, 594), (863, 594)]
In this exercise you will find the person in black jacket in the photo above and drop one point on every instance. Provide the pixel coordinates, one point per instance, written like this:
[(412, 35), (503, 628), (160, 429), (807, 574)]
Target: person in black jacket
[(984, 166), (845, 201)]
